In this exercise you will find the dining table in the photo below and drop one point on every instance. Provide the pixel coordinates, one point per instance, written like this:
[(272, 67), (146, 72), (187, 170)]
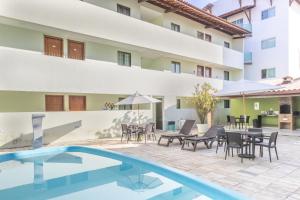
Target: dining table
[(252, 136)]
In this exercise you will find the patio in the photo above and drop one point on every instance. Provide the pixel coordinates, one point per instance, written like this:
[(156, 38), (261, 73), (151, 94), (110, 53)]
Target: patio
[(258, 179)]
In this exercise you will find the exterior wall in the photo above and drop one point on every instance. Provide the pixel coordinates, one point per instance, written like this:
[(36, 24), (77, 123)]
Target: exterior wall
[(265, 104), (94, 26), (280, 26), (294, 40), (66, 126)]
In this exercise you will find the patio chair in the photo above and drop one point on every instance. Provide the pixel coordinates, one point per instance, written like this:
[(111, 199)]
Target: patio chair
[(270, 144), (125, 132), (208, 138), (257, 130), (235, 141), (233, 122), (146, 131), (228, 120), (183, 133), (153, 131), (221, 139)]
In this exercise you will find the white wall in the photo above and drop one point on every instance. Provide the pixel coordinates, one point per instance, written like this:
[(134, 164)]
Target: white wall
[(28, 71), (294, 40), (66, 126), (93, 22)]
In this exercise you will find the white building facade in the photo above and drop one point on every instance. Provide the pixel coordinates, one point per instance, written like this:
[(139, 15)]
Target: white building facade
[(273, 50), (72, 60)]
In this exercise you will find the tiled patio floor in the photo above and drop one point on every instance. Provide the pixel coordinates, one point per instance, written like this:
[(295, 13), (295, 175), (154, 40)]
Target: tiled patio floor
[(258, 179)]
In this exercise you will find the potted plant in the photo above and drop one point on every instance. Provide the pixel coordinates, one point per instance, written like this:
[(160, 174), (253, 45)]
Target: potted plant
[(204, 102)]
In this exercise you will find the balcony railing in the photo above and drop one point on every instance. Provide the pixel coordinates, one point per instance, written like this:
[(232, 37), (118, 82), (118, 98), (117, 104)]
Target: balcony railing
[(248, 27), (248, 57)]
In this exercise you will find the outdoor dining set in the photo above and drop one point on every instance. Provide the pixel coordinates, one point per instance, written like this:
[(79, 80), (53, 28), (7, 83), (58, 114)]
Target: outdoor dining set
[(243, 141), (137, 131), (240, 122)]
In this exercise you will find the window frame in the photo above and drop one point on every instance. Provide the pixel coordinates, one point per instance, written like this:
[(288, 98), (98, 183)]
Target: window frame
[(175, 64), (208, 37), (227, 44), (202, 71), (265, 43), (120, 53), (226, 104), (121, 8), (175, 27), (226, 75), (266, 74), (209, 69), (268, 13), (202, 35)]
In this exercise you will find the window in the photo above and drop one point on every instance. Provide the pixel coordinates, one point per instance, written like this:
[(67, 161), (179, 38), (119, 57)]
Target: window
[(178, 104), (124, 58), (208, 37), (226, 75), (175, 27), (77, 103), (268, 73), (208, 72), (54, 102), (176, 67), (265, 14), (268, 43), (238, 22), (200, 71), (75, 50), (124, 107), (123, 10), (226, 103), (226, 44), (200, 35)]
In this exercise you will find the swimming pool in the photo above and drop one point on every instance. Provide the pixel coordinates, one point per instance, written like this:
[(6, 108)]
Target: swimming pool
[(86, 173)]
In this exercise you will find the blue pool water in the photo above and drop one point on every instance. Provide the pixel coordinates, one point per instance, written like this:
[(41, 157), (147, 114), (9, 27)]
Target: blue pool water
[(87, 173)]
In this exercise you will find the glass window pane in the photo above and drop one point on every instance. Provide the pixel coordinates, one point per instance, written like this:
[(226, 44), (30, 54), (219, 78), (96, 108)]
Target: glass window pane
[(200, 35)]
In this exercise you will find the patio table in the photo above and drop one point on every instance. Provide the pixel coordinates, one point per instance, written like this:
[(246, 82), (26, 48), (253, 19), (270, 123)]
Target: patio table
[(252, 136)]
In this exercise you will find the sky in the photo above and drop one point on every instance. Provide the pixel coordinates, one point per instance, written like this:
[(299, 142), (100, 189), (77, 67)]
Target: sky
[(200, 3)]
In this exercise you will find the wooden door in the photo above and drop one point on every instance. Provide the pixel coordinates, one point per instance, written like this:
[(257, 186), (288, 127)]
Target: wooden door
[(54, 102), (77, 103), (53, 46), (75, 50)]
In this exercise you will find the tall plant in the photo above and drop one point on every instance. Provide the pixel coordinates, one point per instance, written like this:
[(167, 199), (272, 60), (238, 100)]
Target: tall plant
[(204, 101)]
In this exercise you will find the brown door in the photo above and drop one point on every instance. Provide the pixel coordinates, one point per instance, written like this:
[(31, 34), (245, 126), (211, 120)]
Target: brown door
[(77, 103), (53, 46), (75, 50), (54, 102)]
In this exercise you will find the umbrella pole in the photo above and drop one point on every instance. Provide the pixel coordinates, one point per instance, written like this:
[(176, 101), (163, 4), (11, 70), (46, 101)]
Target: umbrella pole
[(244, 105), (139, 113)]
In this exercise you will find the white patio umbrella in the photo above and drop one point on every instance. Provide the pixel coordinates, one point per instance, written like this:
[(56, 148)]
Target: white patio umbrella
[(243, 88), (137, 99)]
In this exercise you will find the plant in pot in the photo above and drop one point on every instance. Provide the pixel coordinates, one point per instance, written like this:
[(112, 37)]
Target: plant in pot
[(205, 103)]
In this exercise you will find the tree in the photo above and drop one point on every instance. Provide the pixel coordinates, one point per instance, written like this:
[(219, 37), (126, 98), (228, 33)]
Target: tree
[(204, 101)]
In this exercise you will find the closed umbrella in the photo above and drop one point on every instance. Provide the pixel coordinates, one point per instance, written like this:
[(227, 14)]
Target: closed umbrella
[(137, 99), (243, 88)]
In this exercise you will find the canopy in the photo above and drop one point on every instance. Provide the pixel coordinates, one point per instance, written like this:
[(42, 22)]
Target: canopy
[(244, 87), (137, 99)]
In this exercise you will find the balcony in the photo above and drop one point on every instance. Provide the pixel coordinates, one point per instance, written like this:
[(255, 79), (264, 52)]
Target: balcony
[(248, 58), (23, 70), (103, 25)]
